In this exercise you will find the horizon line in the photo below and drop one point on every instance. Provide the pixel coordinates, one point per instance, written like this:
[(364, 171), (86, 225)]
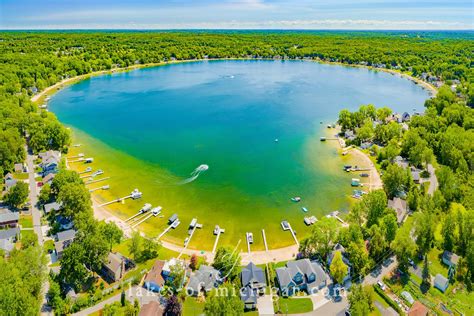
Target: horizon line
[(235, 29)]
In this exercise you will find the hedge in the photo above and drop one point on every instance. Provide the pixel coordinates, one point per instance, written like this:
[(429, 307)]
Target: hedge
[(388, 299)]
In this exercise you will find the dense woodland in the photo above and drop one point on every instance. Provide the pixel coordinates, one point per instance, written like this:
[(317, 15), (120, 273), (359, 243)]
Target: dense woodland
[(32, 61)]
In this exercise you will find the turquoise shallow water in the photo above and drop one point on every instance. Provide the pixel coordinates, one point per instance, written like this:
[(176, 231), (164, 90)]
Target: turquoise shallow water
[(227, 115)]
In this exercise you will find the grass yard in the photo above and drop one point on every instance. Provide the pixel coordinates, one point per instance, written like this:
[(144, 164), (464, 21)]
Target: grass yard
[(21, 176), (294, 305), (435, 264), (192, 306), (26, 221)]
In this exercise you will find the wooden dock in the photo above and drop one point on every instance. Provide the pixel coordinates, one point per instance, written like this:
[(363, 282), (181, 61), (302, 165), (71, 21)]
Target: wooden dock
[(187, 243), (264, 240), (118, 200), (164, 232), (294, 235), (105, 187), (248, 242), (217, 240), (98, 180)]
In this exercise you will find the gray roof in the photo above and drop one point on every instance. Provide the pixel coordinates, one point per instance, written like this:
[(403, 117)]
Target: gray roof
[(205, 278), (283, 276), (441, 281), (451, 257), (9, 216), (66, 235), (248, 295), (252, 274), (9, 233), (9, 183), (400, 207), (54, 206), (6, 245), (302, 266)]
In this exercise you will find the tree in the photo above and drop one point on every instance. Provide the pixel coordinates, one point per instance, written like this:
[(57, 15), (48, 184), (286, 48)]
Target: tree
[(224, 300), (345, 120), (193, 262), (426, 283), (375, 204), (73, 271), (75, 198), (135, 245), (395, 180), (112, 233), (150, 249), (389, 227), (322, 237), (338, 268), (176, 278), (360, 300), (424, 231), (18, 194), (448, 232), (383, 113), (358, 257), (377, 243), (404, 247), (173, 306), (227, 261), (45, 194)]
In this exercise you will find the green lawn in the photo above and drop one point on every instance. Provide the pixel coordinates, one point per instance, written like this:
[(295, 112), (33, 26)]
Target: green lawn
[(26, 221), (435, 264), (21, 176), (192, 306), (294, 305)]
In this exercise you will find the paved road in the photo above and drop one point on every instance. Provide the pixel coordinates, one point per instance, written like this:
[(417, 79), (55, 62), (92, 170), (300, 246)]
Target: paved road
[(330, 309), (36, 214), (33, 196), (373, 277), (143, 296), (389, 311), (433, 180)]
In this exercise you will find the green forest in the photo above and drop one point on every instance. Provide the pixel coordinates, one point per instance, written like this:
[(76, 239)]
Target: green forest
[(443, 136)]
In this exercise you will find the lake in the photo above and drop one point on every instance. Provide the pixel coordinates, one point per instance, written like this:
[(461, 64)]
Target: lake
[(226, 142)]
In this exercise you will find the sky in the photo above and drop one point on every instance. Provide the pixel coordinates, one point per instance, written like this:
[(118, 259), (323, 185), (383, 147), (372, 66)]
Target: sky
[(238, 14)]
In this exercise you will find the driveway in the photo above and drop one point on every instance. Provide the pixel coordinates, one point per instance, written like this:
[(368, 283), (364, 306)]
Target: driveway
[(265, 305), (433, 180), (330, 308), (389, 311), (377, 274)]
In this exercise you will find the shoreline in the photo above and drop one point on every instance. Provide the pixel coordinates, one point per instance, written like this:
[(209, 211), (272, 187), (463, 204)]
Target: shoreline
[(260, 256)]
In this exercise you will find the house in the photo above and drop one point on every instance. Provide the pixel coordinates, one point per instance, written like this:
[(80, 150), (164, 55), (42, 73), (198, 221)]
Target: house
[(415, 174), (349, 135), (8, 218), (205, 279), (301, 275), (154, 280), (114, 267), (65, 223), (400, 207), (48, 179), (450, 259), (151, 309), (366, 145), (418, 309), (63, 240), (10, 182), (407, 296), (401, 162), (18, 167), (441, 283), (54, 206), (253, 285), (405, 117), (50, 161), (8, 238)]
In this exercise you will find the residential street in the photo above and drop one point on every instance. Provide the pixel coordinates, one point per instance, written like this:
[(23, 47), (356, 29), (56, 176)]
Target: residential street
[(33, 198), (433, 180), (36, 215)]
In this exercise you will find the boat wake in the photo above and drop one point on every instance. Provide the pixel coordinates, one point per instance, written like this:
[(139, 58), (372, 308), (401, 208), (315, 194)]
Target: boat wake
[(195, 174)]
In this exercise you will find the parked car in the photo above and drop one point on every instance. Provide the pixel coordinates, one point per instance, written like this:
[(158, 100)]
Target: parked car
[(40, 184), (411, 262), (381, 285)]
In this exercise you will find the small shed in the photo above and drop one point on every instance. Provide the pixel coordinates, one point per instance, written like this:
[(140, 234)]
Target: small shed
[(441, 283), (450, 259), (407, 296)]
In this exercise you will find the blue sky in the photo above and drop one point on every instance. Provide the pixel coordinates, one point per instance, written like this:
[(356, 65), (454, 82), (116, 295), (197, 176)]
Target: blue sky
[(237, 14)]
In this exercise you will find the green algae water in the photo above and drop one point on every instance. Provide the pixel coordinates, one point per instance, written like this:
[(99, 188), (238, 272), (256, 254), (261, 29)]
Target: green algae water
[(226, 142)]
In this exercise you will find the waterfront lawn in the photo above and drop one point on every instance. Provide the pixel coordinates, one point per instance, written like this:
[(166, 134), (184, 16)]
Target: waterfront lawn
[(192, 306), (293, 305), (26, 221)]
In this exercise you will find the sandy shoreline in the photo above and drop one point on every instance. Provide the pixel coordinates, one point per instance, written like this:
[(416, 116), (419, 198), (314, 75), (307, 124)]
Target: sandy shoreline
[(258, 257)]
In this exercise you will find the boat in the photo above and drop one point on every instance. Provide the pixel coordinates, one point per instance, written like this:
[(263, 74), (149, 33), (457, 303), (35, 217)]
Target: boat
[(156, 210), (145, 208), (364, 175), (323, 139), (186, 241), (175, 224), (217, 230), (355, 182), (304, 209), (136, 194), (347, 167), (296, 199), (250, 238), (285, 225), (329, 126)]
